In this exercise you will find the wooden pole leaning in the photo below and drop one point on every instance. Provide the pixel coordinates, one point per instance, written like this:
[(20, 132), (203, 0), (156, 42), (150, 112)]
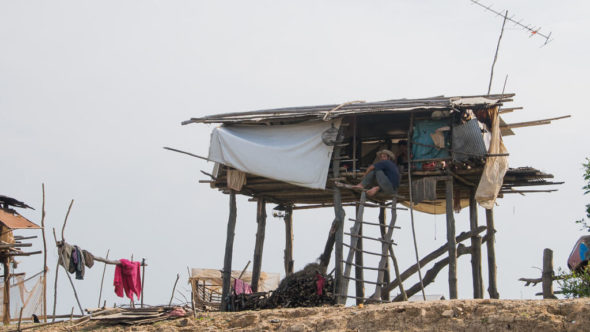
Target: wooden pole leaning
[(67, 274), (45, 269), (102, 280), (452, 245), (229, 245), (475, 249), (288, 259), (490, 244), (259, 246)]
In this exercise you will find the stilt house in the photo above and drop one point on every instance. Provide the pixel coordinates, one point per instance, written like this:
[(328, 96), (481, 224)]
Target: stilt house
[(308, 157)]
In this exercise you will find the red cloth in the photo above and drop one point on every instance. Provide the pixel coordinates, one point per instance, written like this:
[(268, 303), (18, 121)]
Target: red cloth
[(128, 279), (320, 284), (240, 286)]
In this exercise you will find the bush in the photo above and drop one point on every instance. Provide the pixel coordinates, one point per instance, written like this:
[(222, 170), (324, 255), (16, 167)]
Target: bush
[(576, 284)]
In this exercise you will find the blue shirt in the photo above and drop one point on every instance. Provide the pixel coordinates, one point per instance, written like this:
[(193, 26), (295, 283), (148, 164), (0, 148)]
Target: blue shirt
[(390, 170)]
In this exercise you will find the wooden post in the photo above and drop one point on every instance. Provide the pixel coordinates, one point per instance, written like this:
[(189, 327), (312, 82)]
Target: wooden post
[(173, 289), (229, 246), (339, 235), (104, 270), (143, 278), (288, 259), (490, 243), (358, 271), (475, 249), (451, 239), (547, 277), (327, 254), (6, 302), (386, 276), (259, 246)]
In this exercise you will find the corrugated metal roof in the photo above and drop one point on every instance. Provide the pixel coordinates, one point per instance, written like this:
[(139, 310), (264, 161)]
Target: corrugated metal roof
[(339, 110), (16, 221)]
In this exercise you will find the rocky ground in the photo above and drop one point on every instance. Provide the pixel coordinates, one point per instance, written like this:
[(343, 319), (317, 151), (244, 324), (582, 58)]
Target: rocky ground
[(452, 315)]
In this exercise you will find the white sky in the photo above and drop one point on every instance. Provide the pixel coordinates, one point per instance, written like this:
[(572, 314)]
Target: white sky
[(90, 91)]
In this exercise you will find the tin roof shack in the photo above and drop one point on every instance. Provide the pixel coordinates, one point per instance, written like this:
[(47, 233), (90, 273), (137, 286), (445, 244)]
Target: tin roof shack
[(10, 247), (308, 157)]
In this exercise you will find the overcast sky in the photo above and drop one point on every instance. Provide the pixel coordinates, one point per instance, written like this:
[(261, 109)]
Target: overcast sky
[(90, 92)]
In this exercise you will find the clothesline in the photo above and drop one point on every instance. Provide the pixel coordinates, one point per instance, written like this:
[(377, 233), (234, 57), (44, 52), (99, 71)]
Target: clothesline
[(103, 260)]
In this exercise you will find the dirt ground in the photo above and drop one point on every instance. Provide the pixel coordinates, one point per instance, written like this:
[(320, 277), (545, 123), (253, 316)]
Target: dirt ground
[(451, 315)]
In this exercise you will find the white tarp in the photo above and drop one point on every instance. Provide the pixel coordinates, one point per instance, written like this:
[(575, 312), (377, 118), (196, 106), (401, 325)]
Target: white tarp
[(291, 153)]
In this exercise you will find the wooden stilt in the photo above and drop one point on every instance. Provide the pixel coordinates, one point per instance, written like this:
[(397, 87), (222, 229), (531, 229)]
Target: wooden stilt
[(339, 234), (288, 240), (451, 240), (385, 250), (547, 276), (6, 302), (229, 245), (490, 243), (351, 253), (475, 249), (358, 271), (386, 276), (259, 246)]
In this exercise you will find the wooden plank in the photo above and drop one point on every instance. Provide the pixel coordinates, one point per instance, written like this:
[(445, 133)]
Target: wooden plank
[(259, 246), (229, 245)]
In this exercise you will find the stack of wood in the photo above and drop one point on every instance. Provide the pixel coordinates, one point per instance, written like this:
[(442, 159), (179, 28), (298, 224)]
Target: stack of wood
[(299, 289), (137, 316)]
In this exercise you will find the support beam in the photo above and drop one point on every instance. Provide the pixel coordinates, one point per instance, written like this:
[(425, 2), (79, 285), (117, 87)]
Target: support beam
[(451, 240), (288, 259), (229, 246), (358, 271), (490, 243), (259, 246), (339, 235), (6, 302), (475, 249)]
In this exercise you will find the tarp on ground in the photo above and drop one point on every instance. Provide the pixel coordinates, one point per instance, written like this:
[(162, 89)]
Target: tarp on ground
[(495, 168), (292, 153)]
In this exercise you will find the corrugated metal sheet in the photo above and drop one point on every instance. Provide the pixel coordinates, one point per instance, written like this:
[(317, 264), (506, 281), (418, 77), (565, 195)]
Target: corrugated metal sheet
[(16, 221), (468, 141)]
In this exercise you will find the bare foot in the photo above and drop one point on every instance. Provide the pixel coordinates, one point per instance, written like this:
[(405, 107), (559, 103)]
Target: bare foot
[(372, 191)]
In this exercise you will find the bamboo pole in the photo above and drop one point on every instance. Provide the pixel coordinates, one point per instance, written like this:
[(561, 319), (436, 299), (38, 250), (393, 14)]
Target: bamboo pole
[(475, 249), (104, 270), (496, 54), (259, 246), (229, 244), (44, 255), (490, 244), (451, 240)]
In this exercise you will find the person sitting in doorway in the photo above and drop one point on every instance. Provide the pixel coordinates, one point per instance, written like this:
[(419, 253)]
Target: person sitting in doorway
[(382, 176)]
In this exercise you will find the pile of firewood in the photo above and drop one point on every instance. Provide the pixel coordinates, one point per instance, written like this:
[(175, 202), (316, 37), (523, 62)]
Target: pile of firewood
[(299, 289)]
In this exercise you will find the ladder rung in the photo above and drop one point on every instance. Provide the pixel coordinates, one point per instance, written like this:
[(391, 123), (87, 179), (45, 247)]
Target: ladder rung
[(365, 267), (372, 238), (365, 281), (366, 252), (372, 223)]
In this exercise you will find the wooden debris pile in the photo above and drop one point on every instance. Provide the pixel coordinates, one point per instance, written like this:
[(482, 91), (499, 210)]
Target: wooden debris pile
[(138, 316), (309, 287)]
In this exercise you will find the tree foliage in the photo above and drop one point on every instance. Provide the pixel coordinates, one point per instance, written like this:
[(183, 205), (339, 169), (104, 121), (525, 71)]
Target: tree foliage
[(576, 284), (582, 222)]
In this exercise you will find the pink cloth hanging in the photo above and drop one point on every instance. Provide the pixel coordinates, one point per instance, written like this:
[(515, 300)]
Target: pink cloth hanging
[(240, 286), (127, 279)]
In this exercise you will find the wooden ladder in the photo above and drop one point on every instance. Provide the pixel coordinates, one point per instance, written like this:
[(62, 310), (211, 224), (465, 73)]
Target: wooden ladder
[(386, 252)]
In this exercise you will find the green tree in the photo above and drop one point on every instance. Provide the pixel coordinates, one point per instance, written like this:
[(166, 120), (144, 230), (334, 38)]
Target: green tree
[(582, 222)]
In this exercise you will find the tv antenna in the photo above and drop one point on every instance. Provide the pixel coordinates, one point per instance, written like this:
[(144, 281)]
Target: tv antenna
[(534, 31)]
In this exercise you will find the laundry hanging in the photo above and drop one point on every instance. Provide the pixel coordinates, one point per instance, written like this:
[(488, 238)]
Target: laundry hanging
[(127, 279)]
